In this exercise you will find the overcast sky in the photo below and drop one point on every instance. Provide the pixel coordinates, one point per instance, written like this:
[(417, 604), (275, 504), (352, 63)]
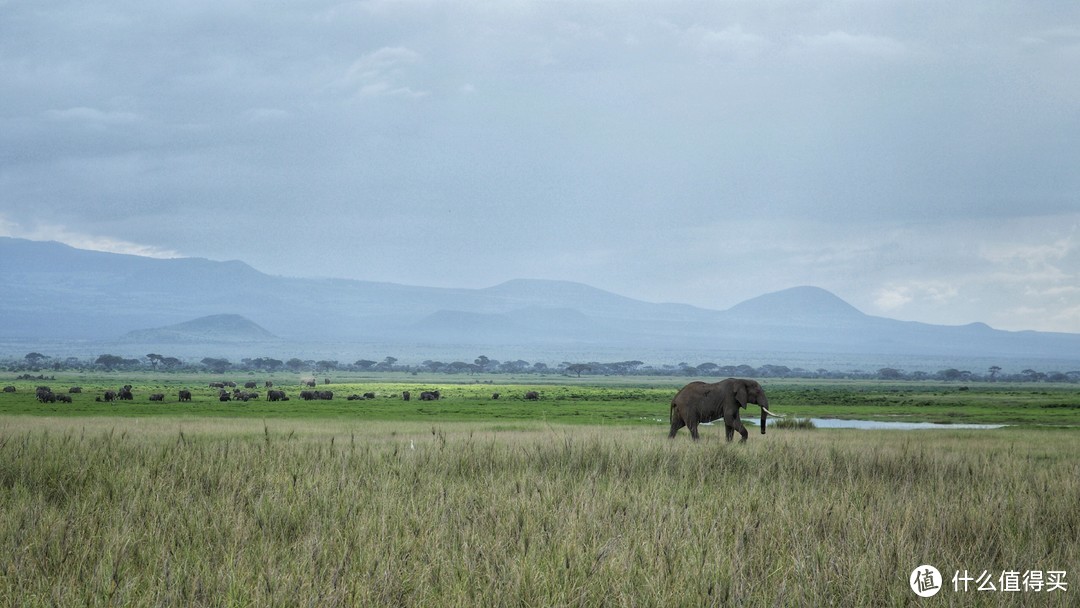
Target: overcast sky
[(919, 159)]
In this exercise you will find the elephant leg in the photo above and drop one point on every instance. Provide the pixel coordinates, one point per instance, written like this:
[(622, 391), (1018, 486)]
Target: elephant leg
[(742, 430), (732, 422), (676, 424), (692, 425)]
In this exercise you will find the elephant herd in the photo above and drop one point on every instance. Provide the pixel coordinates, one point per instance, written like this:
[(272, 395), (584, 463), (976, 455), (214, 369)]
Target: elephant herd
[(44, 394), (696, 403), (125, 393)]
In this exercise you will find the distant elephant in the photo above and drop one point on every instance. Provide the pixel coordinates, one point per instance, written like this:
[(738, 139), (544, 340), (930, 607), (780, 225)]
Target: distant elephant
[(185, 395), (250, 384), (75, 389), (532, 396), (699, 402), (405, 395), (62, 398), (9, 389), (494, 395), (110, 396), (157, 397), (369, 395), (429, 396), (125, 393)]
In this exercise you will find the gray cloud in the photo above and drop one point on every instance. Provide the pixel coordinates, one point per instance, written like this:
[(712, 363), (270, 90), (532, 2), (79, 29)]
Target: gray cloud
[(915, 159)]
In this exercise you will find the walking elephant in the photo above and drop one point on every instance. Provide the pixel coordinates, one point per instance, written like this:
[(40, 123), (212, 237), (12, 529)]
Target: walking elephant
[(699, 402)]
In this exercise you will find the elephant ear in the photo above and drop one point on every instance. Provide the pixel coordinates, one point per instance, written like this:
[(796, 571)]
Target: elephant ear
[(741, 395)]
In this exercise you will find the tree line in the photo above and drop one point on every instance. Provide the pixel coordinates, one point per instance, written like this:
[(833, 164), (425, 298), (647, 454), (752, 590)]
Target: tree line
[(37, 362)]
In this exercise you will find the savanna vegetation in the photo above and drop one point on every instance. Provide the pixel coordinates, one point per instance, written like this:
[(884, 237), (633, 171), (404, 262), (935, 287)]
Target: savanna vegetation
[(575, 499), (40, 364)]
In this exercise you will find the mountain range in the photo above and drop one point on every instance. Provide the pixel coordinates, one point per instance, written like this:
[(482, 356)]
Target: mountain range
[(53, 292)]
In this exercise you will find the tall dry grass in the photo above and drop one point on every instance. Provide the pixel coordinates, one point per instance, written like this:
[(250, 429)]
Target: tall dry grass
[(119, 512)]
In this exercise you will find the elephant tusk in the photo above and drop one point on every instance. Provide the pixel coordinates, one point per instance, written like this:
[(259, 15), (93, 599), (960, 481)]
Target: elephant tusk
[(772, 414)]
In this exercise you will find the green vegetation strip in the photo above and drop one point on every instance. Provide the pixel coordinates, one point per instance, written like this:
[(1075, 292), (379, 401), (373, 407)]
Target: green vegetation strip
[(566, 400)]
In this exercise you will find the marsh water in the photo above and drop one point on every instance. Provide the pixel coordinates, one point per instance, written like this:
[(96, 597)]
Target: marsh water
[(836, 423), (872, 425)]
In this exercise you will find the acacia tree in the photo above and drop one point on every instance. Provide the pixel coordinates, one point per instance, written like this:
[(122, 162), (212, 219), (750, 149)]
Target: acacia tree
[(109, 361), (218, 366), (34, 359), (578, 368)]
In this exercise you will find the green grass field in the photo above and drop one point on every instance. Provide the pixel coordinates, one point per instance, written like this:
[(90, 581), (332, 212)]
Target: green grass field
[(578, 499), (615, 400)]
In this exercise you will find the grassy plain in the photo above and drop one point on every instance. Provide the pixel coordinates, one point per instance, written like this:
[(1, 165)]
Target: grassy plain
[(576, 500), (589, 400)]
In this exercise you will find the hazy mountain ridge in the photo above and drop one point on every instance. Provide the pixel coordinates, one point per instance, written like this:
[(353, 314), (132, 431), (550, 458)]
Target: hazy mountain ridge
[(55, 292), (212, 329)]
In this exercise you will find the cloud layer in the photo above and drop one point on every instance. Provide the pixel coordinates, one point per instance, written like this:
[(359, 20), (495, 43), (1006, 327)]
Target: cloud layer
[(917, 159)]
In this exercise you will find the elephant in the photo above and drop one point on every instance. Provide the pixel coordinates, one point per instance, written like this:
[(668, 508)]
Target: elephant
[(124, 394), (250, 384), (185, 395), (532, 396), (110, 396), (405, 395), (157, 397), (699, 402), (9, 389)]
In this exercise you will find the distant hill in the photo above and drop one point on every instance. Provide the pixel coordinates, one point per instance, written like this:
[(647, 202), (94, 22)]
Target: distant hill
[(50, 291), (804, 304), (211, 329)]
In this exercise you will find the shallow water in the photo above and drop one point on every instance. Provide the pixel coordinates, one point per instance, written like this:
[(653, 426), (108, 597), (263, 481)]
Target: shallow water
[(836, 423)]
